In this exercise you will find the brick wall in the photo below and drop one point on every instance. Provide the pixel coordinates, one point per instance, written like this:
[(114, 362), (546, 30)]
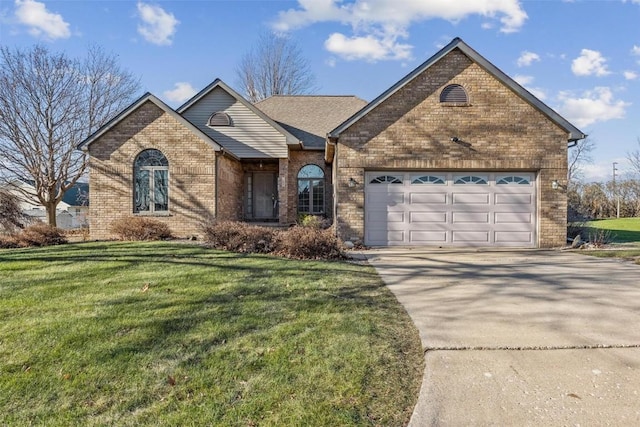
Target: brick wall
[(191, 171), (412, 130), (230, 189)]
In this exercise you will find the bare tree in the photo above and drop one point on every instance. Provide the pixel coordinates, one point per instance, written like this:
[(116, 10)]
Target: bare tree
[(634, 158), (49, 103), (579, 155), (275, 66)]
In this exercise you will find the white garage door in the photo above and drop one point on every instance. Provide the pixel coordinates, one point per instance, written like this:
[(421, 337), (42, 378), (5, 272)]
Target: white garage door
[(450, 209)]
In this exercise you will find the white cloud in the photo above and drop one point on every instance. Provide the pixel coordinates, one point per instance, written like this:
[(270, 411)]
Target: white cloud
[(378, 25), (597, 105), (527, 58), (158, 26), (368, 48), (527, 81), (181, 92), (635, 50), (590, 62), (40, 21), (630, 75)]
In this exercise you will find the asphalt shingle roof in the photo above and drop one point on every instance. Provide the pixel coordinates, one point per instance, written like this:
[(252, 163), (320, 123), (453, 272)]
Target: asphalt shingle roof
[(310, 117)]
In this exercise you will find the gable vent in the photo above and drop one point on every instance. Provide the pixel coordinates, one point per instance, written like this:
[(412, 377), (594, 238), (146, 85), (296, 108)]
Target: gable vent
[(454, 94), (219, 119)]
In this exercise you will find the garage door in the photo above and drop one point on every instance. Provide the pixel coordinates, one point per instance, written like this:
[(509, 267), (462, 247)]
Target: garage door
[(450, 209)]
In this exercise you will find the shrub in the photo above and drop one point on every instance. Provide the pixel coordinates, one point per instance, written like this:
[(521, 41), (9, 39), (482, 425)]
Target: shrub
[(34, 235), (313, 221), (239, 237), (296, 242), (140, 228), (309, 243), (600, 237)]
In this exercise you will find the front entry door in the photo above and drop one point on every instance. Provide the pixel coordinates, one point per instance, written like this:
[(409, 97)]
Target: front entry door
[(265, 195)]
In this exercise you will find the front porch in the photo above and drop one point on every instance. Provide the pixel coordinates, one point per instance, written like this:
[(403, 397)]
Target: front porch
[(265, 192)]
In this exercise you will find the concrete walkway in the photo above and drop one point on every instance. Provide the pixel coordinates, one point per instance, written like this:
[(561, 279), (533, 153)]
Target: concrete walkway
[(521, 337)]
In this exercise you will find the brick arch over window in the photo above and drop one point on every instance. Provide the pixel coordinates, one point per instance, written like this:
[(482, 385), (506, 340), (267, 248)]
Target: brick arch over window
[(311, 189), (150, 182), (454, 94)]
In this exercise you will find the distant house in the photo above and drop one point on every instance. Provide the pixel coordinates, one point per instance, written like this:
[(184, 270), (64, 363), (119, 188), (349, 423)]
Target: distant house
[(72, 210), (456, 153)]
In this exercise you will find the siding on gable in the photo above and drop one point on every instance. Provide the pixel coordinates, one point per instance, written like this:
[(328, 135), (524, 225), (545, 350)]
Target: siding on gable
[(249, 136)]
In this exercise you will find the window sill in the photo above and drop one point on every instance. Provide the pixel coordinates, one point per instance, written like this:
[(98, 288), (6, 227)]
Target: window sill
[(152, 214), (455, 104)]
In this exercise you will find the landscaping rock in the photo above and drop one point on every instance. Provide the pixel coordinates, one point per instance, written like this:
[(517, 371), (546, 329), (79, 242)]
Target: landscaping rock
[(577, 242)]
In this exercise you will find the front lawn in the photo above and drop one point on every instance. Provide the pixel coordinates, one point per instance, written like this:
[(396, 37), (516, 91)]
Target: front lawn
[(176, 334), (623, 230)]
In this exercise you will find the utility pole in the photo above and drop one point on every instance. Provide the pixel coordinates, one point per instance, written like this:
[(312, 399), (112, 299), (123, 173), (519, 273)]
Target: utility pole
[(615, 190)]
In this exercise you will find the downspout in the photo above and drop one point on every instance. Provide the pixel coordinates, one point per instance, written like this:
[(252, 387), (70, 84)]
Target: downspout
[(216, 182), (334, 178)]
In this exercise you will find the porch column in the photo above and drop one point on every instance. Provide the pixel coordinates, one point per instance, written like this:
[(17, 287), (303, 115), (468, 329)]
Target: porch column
[(283, 191)]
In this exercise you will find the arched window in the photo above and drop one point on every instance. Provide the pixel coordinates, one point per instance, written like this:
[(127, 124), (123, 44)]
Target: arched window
[(219, 118), (454, 94), (311, 190), (151, 182)]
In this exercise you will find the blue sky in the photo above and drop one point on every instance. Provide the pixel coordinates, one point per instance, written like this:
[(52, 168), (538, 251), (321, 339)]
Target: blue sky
[(581, 58)]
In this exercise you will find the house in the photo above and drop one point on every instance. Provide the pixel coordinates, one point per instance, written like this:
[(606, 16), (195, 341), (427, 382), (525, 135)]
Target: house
[(71, 211), (454, 154)]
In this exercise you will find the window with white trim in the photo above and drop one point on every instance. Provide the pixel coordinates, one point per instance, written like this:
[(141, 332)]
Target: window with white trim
[(219, 118), (311, 190), (471, 179), (513, 179), (428, 179), (151, 182), (386, 179)]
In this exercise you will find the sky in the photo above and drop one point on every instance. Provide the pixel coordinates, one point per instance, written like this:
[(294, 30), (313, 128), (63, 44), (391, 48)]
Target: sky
[(581, 58)]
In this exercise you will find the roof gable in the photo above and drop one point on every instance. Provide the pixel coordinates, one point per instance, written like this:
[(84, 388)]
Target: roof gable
[(574, 133), (147, 97), (217, 83)]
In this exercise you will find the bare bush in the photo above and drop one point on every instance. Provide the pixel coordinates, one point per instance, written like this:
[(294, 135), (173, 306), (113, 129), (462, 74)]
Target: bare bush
[(296, 242), (34, 235), (600, 237), (309, 243), (240, 237), (138, 228)]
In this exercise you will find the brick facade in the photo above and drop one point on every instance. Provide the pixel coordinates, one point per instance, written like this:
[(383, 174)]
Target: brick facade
[(192, 171), (413, 130)]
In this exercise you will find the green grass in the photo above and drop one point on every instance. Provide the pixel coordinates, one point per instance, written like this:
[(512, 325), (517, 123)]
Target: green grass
[(176, 334), (623, 230)]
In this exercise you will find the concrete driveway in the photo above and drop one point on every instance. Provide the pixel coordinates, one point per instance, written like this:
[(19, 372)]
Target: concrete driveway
[(525, 337)]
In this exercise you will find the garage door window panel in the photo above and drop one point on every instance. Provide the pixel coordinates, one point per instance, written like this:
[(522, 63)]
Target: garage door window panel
[(471, 179), (428, 179), (386, 179), (513, 180)]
